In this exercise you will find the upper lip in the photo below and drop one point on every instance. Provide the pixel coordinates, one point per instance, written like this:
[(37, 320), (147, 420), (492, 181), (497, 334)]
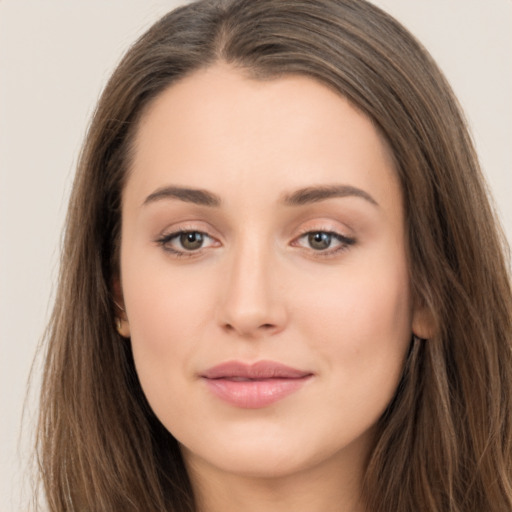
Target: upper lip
[(256, 371)]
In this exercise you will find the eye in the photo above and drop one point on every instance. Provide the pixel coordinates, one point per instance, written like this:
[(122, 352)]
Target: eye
[(191, 240), (184, 243), (319, 241), (324, 242)]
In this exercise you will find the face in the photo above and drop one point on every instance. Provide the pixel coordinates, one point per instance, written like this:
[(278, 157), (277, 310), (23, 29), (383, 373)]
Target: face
[(264, 272)]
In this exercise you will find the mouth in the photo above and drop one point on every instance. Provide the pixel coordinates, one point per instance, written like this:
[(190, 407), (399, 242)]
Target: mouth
[(253, 386)]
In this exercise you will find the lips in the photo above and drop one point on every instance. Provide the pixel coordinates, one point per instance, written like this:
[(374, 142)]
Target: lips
[(256, 385)]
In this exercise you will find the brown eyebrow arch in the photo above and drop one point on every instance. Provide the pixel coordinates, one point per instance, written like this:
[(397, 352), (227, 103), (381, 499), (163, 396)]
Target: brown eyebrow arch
[(189, 195), (310, 195)]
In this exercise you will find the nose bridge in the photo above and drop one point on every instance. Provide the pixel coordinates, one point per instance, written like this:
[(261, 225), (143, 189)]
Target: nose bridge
[(251, 303)]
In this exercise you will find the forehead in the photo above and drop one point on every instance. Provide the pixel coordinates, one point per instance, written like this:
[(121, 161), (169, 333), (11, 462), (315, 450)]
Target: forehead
[(218, 127)]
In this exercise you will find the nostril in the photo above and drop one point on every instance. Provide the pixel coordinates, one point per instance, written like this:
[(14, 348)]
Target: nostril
[(247, 329)]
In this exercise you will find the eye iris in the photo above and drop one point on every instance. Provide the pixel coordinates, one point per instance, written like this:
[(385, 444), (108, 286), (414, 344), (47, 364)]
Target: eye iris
[(192, 240), (319, 240)]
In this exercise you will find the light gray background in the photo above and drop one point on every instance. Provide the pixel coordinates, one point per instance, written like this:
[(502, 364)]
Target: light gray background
[(55, 56)]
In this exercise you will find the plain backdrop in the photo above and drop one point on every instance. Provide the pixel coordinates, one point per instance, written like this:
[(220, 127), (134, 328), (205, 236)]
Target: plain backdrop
[(55, 56)]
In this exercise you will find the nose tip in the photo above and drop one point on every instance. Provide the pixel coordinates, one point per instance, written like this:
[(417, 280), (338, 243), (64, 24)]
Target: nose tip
[(252, 313), (252, 305)]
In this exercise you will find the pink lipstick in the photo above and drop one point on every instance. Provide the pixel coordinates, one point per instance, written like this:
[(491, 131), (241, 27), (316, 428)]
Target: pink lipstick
[(252, 386)]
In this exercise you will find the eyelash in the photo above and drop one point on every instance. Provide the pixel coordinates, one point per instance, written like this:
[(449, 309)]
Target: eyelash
[(344, 242), (165, 240)]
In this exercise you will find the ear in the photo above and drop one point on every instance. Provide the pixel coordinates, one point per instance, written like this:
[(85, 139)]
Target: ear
[(423, 323), (121, 319)]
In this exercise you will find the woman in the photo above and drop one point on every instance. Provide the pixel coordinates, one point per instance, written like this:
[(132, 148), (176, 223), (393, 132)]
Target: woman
[(283, 287)]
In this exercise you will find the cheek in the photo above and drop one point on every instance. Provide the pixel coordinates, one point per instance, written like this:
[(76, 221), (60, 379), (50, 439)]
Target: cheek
[(359, 303), (167, 314), (361, 324)]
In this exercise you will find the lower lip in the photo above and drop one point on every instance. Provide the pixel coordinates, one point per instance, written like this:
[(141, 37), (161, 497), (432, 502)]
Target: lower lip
[(254, 394)]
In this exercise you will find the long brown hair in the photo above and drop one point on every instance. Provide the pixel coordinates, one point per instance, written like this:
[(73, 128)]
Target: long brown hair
[(444, 443)]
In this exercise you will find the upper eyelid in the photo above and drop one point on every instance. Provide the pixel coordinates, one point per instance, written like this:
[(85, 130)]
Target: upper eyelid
[(325, 227), (335, 233), (188, 227), (176, 233), (340, 237), (305, 227), (164, 242)]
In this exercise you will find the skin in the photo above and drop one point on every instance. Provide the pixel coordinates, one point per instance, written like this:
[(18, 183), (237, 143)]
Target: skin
[(258, 290)]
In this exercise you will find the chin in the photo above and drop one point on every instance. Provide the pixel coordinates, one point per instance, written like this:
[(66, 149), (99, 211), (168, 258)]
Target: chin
[(252, 463), (276, 455)]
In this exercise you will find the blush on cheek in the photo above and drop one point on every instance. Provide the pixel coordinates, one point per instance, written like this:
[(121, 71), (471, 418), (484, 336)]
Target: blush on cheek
[(367, 323)]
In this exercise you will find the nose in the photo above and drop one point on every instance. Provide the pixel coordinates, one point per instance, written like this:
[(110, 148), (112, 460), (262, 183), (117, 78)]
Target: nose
[(252, 302)]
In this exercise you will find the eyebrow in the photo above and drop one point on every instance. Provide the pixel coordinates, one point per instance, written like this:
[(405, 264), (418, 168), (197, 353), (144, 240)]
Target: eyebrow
[(303, 196), (310, 195), (188, 195)]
